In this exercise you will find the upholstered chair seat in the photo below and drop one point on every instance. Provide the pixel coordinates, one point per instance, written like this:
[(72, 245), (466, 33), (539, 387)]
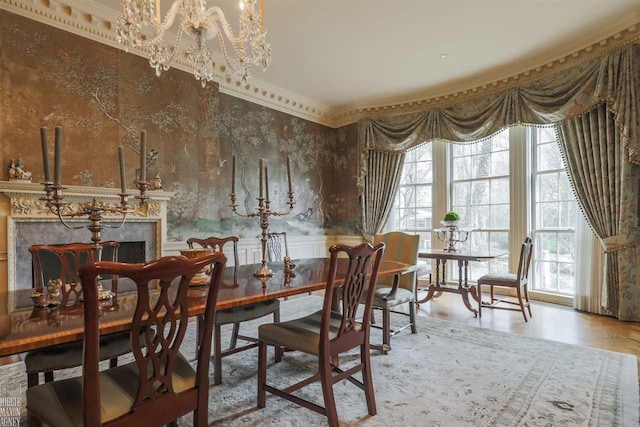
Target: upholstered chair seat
[(247, 312), (69, 355), (382, 298), (499, 279), (302, 334), (60, 402)]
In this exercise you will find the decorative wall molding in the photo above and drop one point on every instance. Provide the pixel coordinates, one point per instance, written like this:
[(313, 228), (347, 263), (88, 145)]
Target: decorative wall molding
[(92, 20)]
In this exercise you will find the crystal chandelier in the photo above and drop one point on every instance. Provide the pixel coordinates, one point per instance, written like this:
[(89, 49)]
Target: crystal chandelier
[(142, 26)]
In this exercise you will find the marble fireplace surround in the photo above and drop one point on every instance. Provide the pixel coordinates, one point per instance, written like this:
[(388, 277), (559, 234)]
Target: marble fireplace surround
[(24, 220)]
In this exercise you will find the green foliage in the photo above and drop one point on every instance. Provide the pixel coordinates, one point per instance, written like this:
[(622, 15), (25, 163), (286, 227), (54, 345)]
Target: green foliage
[(451, 216)]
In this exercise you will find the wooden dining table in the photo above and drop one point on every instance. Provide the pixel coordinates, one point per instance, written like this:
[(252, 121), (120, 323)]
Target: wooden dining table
[(24, 327), (463, 288)]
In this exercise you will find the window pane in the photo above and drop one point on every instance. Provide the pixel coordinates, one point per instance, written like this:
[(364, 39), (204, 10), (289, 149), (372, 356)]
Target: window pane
[(424, 172), (462, 168), (461, 194), (480, 193), (548, 187), (549, 157), (481, 166), (500, 190), (500, 163)]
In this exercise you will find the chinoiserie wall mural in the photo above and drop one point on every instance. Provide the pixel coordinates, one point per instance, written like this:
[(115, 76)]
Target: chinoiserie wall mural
[(103, 98)]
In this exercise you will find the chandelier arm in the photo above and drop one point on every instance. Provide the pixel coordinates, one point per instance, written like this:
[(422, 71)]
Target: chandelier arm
[(217, 16)]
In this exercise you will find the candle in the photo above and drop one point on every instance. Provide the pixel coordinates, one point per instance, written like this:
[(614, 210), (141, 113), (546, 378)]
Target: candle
[(233, 174), (266, 181), (123, 178), (289, 174), (260, 167), (45, 154), (57, 166), (143, 156)]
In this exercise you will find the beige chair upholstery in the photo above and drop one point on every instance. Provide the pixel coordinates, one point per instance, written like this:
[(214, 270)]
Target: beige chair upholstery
[(395, 290), (236, 315), (518, 281)]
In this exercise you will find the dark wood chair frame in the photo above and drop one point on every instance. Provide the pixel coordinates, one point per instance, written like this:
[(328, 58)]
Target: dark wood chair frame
[(156, 403), (71, 256), (521, 285), (217, 244), (348, 337)]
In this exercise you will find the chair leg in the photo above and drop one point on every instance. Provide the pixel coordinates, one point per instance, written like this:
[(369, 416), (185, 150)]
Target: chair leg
[(48, 376), (32, 379), (277, 349), (412, 317), (491, 289), (386, 327), (234, 335), (373, 317), (262, 373), (479, 290), (326, 380), (217, 355), (367, 379), (113, 362), (524, 314), (526, 297)]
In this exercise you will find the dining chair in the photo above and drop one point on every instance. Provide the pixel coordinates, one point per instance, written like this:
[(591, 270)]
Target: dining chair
[(328, 333), (169, 387), (398, 289), (277, 248), (235, 315), (63, 262), (518, 281)]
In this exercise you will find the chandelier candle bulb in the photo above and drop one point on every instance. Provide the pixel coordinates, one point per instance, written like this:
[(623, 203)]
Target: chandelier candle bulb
[(143, 155), (123, 178), (45, 154), (289, 174), (57, 166), (233, 174)]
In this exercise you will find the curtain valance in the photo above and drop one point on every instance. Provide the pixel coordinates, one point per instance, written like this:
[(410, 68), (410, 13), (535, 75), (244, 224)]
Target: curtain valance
[(611, 79)]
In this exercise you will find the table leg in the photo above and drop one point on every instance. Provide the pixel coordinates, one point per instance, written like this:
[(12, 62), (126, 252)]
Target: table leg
[(465, 290), (433, 288)]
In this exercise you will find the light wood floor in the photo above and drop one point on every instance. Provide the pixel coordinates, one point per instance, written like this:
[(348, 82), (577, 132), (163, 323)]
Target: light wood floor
[(549, 321)]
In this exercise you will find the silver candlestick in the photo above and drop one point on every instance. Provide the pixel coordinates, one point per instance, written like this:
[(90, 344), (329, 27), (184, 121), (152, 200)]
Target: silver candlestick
[(452, 235), (264, 210)]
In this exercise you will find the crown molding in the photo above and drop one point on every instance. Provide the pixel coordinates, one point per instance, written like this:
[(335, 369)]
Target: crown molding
[(94, 21)]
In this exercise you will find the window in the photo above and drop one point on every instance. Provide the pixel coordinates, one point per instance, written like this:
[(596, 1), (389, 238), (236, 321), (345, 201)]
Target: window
[(480, 194), (412, 209), (553, 217)]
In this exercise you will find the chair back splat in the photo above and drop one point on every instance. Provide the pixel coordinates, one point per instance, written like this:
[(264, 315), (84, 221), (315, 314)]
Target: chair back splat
[(277, 248), (217, 244), (525, 260), (160, 319)]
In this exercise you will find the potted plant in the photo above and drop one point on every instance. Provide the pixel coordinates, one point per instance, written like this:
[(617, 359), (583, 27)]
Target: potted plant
[(451, 219)]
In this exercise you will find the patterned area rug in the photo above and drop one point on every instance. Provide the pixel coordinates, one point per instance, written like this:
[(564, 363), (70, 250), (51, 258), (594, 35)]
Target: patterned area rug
[(446, 375)]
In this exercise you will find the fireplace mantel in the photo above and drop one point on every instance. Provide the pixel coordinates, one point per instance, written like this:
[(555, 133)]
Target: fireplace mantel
[(20, 203)]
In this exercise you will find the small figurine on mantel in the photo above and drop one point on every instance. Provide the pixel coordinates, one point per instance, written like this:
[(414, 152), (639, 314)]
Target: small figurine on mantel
[(17, 172), (156, 182)]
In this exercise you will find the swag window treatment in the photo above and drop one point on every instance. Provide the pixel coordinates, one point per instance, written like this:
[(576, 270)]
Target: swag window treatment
[(605, 83)]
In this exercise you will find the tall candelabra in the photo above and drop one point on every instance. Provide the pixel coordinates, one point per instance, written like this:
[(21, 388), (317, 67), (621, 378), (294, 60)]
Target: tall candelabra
[(263, 211), (95, 211)]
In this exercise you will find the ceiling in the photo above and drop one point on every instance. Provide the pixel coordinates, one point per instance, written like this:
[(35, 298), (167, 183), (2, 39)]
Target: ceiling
[(348, 54)]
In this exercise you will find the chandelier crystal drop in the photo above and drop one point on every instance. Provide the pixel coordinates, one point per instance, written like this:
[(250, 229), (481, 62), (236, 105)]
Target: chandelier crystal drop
[(141, 26)]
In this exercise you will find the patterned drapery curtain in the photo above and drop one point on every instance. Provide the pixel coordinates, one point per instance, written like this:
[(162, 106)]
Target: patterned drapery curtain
[(611, 79), (607, 187), (380, 188)]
